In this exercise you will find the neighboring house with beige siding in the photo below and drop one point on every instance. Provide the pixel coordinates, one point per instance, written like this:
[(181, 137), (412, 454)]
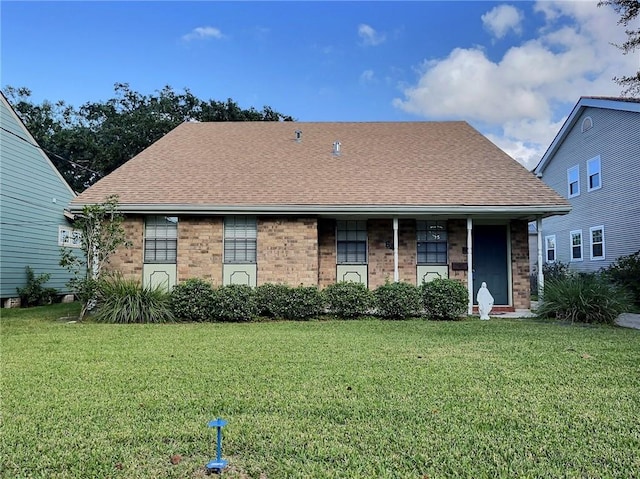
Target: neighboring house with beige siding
[(317, 203), (594, 162)]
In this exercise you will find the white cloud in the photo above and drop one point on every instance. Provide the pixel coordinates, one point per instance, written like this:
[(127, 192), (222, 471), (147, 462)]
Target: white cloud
[(502, 19), (367, 76), (201, 33), (529, 91), (369, 36)]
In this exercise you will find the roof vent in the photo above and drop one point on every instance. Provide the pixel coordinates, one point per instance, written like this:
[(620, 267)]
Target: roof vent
[(337, 147), (298, 136)]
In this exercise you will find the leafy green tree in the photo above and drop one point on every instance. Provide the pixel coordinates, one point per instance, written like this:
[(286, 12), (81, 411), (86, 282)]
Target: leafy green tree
[(91, 141), (628, 11), (102, 234)]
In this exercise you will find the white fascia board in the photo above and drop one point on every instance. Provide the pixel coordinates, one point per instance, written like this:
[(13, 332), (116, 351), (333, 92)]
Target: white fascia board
[(370, 210)]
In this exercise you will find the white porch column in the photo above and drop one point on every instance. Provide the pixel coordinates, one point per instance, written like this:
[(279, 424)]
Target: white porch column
[(470, 264), (396, 276), (540, 275)]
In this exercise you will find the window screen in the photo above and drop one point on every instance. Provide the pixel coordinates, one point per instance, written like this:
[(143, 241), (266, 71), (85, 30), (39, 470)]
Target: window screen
[(240, 238), (432, 242), (160, 239), (352, 241)]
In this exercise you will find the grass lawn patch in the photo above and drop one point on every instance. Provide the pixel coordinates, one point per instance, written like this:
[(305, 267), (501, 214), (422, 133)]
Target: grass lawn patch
[(341, 399)]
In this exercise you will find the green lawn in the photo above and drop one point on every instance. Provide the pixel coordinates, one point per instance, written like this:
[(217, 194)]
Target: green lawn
[(352, 399)]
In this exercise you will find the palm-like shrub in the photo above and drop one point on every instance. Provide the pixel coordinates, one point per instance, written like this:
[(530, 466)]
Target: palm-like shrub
[(234, 302), (127, 301), (398, 300), (348, 299), (191, 300), (584, 298), (445, 299)]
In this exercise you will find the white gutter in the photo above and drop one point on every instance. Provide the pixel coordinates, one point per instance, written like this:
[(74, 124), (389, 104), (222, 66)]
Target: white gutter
[(389, 210), (396, 276), (470, 264)]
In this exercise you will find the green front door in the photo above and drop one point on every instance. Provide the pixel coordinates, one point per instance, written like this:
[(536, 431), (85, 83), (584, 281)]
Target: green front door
[(490, 261)]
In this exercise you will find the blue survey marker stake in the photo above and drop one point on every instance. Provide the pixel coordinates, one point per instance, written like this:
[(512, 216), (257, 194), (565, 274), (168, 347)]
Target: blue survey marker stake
[(218, 464)]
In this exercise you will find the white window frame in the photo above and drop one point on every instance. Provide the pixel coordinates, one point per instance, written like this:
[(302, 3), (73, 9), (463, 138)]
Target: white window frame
[(69, 237), (587, 124), (432, 236), (547, 249), (571, 245), (240, 240), (594, 161), (574, 170), (351, 237), (160, 239), (591, 231)]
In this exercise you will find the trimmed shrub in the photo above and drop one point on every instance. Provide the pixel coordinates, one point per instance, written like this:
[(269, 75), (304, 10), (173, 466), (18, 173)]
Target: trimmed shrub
[(34, 293), (445, 299), (302, 302), (625, 271), (191, 300), (584, 298), (271, 299), (127, 301), (234, 302), (398, 300), (348, 299)]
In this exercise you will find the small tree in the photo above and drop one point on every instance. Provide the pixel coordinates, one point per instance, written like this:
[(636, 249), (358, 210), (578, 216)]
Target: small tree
[(102, 234)]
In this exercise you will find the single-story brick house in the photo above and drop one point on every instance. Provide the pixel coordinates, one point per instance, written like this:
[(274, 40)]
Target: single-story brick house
[(316, 203)]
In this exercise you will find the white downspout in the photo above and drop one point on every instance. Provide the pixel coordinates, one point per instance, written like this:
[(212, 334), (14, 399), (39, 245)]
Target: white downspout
[(470, 264), (396, 276), (540, 275)]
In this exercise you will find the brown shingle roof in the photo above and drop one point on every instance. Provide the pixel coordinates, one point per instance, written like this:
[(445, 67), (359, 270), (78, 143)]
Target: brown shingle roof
[(261, 164)]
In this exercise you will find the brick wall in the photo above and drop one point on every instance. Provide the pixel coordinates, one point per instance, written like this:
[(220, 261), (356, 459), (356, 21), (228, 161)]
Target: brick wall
[(326, 252), (457, 230), (520, 264), (128, 261), (380, 231), (200, 248), (288, 251)]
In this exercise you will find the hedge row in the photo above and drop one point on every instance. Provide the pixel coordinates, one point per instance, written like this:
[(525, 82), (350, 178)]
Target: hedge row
[(197, 300)]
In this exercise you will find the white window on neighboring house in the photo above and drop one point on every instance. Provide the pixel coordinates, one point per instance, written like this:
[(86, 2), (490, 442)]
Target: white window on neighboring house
[(351, 238), (594, 174), (597, 242), (573, 181), (240, 239), (550, 248), (69, 237), (576, 245), (160, 239)]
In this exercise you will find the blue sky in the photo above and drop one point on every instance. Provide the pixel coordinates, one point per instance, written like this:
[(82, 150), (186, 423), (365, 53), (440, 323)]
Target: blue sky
[(513, 70)]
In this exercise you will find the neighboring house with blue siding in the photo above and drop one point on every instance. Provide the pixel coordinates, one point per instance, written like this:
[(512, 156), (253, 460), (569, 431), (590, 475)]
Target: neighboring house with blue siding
[(33, 197), (594, 162)]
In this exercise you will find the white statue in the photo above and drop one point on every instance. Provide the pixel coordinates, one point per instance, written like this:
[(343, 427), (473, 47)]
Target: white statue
[(485, 302)]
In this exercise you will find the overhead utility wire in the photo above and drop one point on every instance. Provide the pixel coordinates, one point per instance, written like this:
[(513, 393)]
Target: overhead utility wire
[(73, 163)]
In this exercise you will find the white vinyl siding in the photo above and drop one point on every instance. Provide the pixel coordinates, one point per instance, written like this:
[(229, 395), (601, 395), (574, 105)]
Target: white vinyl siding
[(550, 248), (576, 245), (597, 242), (573, 181), (240, 239), (594, 174)]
